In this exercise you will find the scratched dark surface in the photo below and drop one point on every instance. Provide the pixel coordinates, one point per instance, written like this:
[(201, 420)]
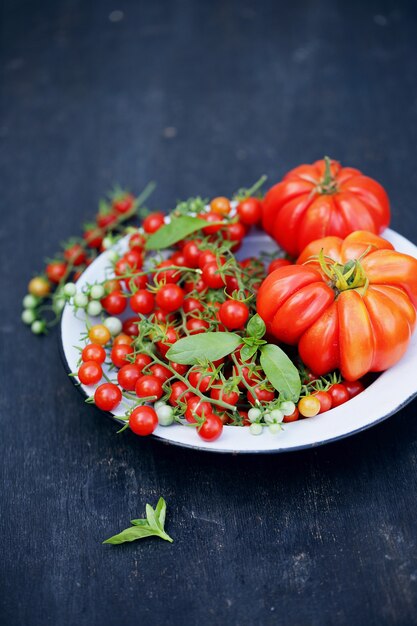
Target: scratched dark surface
[(202, 97)]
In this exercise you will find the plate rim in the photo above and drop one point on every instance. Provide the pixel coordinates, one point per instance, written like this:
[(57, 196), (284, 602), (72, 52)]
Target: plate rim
[(235, 452)]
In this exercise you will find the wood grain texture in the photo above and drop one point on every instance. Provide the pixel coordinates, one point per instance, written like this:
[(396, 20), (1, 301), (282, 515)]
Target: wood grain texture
[(203, 97)]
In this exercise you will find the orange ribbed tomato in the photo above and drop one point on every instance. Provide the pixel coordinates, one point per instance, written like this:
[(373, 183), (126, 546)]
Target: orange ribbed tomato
[(313, 201), (348, 304)]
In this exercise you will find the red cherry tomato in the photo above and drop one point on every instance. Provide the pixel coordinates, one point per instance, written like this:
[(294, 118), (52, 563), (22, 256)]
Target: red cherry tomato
[(93, 352), (143, 421), (325, 400), (197, 285), (199, 380), (354, 387), (195, 325), (160, 371), (196, 406), (179, 393), (153, 222), (234, 232), (142, 301), (293, 417), (170, 297), (123, 204), (90, 373), (119, 353), (249, 211), (122, 339), (276, 263), (211, 276), (128, 376), (56, 271), (233, 314), (75, 254), (115, 303), (206, 256), (263, 395), (107, 396), (212, 428), (137, 240), (218, 393), (339, 394), (214, 219), (149, 387), (179, 368), (164, 276), (192, 304), (130, 326), (93, 237), (192, 252)]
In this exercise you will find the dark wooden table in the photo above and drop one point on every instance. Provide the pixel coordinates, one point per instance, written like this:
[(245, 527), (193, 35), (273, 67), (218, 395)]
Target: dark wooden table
[(203, 97)]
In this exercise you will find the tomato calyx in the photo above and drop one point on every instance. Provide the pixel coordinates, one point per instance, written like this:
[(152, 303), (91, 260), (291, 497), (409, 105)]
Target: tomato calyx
[(327, 185), (351, 275)]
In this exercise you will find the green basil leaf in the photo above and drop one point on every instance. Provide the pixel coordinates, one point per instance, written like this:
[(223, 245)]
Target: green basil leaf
[(139, 522), (155, 525), (256, 327), (210, 346), (160, 512), (247, 352), (281, 372), (131, 534), (177, 229)]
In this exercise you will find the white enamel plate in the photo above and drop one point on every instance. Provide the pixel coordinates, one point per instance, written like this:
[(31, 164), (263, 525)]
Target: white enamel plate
[(388, 394)]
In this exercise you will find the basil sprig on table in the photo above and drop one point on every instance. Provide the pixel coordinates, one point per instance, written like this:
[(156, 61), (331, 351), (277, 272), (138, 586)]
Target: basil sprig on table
[(177, 229), (278, 367), (152, 526)]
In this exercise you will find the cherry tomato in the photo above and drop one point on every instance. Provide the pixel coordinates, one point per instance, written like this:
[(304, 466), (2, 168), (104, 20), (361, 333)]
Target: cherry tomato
[(178, 258), (232, 284), (134, 258), (122, 339), (233, 314), (122, 267), (123, 204), (234, 231), (142, 301), (160, 371), (128, 375), (215, 225), (354, 387), (171, 337), (90, 373), (149, 387), (249, 211), (137, 240), (325, 400), (142, 360), (180, 368), (192, 304), (163, 276), (196, 406), (39, 287), (211, 276), (104, 220), (263, 395), (179, 393), (195, 325), (339, 394), (197, 285), (170, 297), (293, 417), (111, 285), (93, 352), (206, 256), (130, 326), (93, 237), (115, 303), (119, 353), (143, 421), (276, 263), (56, 271), (153, 222), (309, 406), (75, 254), (212, 428), (192, 252), (218, 393), (199, 380), (107, 396), (99, 334), (220, 205)]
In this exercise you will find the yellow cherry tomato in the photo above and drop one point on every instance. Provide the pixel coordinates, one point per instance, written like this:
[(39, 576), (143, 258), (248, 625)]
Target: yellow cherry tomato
[(39, 287), (309, 406), (220, 205), (99, 334)]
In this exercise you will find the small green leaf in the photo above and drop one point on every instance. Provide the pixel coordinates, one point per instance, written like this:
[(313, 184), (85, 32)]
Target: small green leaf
[(177, 229), (160, 512), (281, 372), (131, 534), (209, 346), (139, 522), (154, 523), (247, 352), (256, 327)]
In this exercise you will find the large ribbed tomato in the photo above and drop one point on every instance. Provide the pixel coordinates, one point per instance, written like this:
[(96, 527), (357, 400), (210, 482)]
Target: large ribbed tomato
[(348, 304), (313, 201)]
